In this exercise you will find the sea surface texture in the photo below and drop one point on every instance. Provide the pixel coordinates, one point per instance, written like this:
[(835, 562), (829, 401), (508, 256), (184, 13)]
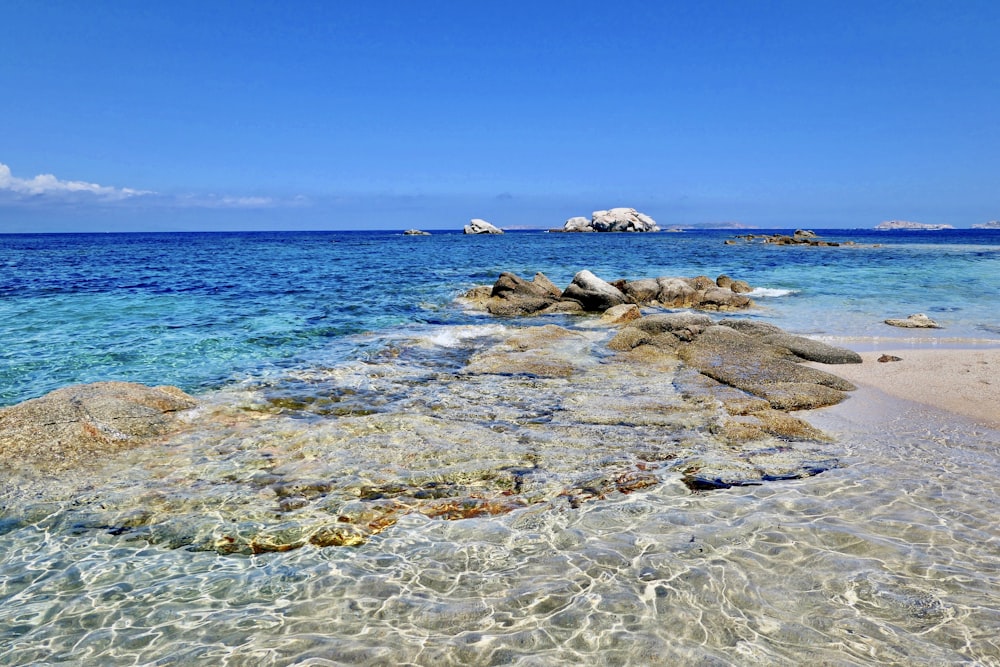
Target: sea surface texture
[(378, 475)]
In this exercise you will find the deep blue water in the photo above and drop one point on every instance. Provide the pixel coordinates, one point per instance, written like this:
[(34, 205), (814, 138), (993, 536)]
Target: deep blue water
[(200, 310)]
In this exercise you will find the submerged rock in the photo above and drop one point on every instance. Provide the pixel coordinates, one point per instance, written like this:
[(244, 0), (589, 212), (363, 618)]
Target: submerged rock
[(87, 421), (915, 321)]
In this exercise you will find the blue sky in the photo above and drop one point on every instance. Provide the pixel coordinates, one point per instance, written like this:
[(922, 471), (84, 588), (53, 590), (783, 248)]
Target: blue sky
[(351, 115)]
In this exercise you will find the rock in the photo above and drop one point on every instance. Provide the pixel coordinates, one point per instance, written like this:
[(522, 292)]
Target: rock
[(746, 363), (891, 225), (415, 232), (676, 292), (642, 291), (592, 292), (512, 295), (477, 226), (740, 287), (564, 308), (673, 323), (545, 351), (577, 224), (717, 298), (542, 281), (87, 421), (612, 220), (752, 327), (812, 350), (623, 314), (629, 338), (915, 321), (723, 281), (885, 358)]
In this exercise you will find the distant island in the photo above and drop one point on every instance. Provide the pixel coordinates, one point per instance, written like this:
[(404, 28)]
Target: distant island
[(892, 225), (992, 224)]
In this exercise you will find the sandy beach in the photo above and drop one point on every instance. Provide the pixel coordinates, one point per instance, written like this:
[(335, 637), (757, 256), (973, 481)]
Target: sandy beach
[(962, 381)]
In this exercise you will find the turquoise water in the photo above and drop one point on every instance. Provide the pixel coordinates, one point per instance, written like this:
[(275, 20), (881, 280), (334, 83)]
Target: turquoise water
[(336, 375), (202, 310)]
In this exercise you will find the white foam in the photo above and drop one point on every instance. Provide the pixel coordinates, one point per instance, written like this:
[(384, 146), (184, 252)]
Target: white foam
[(453, 336), (769, 292)]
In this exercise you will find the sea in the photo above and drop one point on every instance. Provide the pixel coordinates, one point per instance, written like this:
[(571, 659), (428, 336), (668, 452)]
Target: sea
[(372, 477)]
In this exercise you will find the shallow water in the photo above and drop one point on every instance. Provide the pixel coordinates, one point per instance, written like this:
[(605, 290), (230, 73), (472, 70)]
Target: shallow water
[(331, 402), (890, 559)]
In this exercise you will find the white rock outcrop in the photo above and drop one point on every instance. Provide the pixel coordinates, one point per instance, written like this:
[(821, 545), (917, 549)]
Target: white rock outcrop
[(477, 226), (612, 220)]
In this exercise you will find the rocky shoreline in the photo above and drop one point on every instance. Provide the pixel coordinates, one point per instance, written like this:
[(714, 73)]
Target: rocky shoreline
[(538, 415)]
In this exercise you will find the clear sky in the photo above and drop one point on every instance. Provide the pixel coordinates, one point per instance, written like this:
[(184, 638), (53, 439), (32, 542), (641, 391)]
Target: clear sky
[(354, 115)]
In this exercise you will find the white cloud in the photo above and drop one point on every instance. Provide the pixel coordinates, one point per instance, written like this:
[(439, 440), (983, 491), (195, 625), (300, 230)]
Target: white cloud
[(48, 184), (48, 188)]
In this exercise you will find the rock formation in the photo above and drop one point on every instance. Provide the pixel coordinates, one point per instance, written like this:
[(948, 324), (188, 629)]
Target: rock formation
[(512, 295), (612, 220), (915, 321), (415, 232), (893, 225), (759, 359), (799, 237), (477, 226)]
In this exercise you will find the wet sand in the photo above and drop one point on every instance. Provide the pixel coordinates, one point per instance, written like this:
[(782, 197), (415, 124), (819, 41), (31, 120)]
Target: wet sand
[(961, 381)]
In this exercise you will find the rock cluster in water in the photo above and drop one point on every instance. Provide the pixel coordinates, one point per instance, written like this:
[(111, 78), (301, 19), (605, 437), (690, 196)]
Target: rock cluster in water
[(611, 220), (512, 295), (799, 237)]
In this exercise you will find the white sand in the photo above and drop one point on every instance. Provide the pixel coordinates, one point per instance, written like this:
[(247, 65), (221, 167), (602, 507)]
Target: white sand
[(964, 382)]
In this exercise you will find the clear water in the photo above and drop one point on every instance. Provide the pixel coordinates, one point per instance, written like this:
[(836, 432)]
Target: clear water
[(343, 358)]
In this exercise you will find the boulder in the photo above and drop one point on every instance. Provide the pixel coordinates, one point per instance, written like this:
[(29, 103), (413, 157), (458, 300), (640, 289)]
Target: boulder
[(477, 226), (642, 291), (740, 287), (675, 292), (592, 292), (717, 298), (744, 362), (577, 224), (623, 314), (915, 321), (415, 232), (812, 350), (612, 220), (87, 421), (512, 295)]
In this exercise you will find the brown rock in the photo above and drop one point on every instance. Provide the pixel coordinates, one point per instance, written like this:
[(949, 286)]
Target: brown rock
[(87, 421), (623, 314)]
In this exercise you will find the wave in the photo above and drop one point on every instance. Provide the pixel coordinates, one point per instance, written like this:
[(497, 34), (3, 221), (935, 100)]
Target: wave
[(769, 292)]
